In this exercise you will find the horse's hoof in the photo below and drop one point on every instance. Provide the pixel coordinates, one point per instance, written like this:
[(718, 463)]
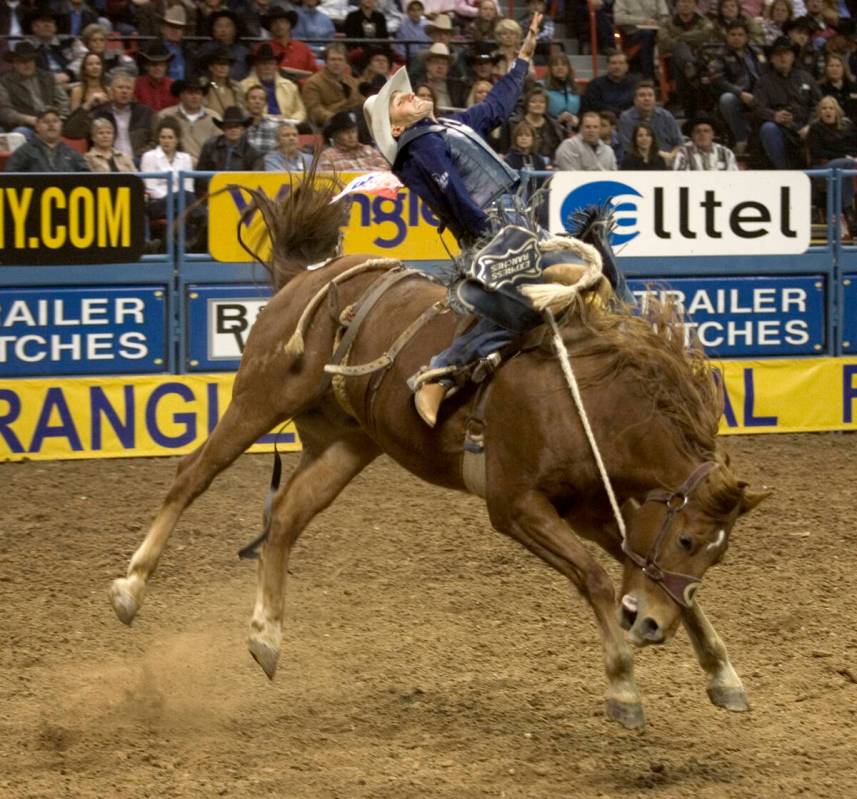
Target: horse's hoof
[(629, 715), (729, 697), (265, 655), (123, 602)]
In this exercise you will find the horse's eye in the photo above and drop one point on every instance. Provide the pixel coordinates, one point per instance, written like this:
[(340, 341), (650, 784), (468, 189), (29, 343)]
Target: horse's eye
[(685, 542)]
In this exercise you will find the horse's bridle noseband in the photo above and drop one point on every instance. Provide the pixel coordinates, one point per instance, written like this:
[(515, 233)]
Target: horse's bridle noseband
[(681, 587)]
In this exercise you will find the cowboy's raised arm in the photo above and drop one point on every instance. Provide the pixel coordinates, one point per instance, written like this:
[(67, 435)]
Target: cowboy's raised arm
[(501, 101)]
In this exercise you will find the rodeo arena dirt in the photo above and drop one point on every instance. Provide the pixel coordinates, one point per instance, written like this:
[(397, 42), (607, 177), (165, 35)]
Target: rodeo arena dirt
[(424, 655)]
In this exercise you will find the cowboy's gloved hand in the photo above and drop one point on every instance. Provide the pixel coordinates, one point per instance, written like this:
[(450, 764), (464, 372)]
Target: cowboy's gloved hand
[(529, 45)]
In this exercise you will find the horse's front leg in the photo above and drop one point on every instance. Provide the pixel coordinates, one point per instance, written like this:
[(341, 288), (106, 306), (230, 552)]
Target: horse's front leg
[(532, 520), (725, 688)]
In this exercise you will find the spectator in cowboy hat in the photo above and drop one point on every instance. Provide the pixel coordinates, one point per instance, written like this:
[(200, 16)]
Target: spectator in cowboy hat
[(413, 28), (152, 88), (174, 24), (314, 26), (46, 152), (197, 123), (377, 72), (223, 92), (284, 99), (702, 152), (332, 89), (26, 90), (292, 54), (346, 153), (440, 31), (133, 121), (229, 151), (479, 62), (52, 53), (450, 92), (225, 29)]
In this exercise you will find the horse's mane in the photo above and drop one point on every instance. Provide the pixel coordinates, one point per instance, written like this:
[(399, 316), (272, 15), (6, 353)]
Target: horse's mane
[(650, 350), (303, 229)]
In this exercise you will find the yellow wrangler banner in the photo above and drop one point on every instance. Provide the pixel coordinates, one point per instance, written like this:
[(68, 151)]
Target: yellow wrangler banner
[(401, 228), (116, 417)]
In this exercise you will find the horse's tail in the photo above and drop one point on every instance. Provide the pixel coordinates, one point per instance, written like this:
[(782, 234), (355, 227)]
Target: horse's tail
[(303, 229), (593, 225)]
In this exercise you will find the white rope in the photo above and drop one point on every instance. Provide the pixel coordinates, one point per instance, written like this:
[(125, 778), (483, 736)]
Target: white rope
[(565, 363)]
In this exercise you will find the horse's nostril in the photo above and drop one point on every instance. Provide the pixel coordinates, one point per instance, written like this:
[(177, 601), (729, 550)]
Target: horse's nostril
[(649, 629), (629, 612)]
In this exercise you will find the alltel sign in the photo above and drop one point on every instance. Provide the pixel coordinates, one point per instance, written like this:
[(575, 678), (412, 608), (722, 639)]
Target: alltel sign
[(692, 213)]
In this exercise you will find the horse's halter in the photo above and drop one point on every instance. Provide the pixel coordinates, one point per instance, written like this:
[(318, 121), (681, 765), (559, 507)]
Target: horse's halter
[(681, 587)]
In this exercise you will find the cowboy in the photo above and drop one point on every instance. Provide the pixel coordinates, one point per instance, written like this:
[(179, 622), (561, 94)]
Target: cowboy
[(449, 165), (194, 119), (702, 152), (152, 88), (230, 151)]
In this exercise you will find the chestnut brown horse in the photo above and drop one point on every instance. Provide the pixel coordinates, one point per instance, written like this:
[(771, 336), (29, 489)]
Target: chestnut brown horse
[(654, 408)]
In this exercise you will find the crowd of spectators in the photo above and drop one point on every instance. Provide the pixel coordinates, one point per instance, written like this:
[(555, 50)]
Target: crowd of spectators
[(167, 85)]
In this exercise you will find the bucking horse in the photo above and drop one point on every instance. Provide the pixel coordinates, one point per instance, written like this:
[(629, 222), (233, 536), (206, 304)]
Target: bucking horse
[(600, 425)]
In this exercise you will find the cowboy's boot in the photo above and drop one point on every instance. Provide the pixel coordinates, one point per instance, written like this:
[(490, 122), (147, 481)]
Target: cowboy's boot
[(428, 399)]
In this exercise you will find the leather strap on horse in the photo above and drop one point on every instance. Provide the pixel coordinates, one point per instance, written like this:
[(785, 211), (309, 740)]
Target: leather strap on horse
[(473, 459)]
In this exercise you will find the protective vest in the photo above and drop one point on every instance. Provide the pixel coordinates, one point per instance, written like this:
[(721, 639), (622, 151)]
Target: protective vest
[(486, 176)]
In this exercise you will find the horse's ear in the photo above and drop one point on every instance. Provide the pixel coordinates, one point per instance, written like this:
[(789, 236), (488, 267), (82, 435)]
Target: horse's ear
[(749, 499)]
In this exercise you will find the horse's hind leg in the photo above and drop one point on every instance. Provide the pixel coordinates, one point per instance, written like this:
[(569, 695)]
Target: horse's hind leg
[(237, 430), (725, 688), (326, 467)]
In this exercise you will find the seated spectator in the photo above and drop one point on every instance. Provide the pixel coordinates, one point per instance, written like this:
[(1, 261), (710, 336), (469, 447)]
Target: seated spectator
[(440, 31), (547, 30), (331, 90), (776, 16), (169, 157), (195, 122), (732, 77), (262, 131), (509, 37), (288, 156), (681, 37), (223, 92), (479, 62), (478, 92), (729, 11), (613, 91), (377, 71), (450, 92), (77, 14), (702, 152), (365, 22), (393, 15), (785, 96), (608, 134), (132, 120), (103, 156), (413, 28), (563, 95), (643, 154), (645, 109), (547, 132), (284, 98), (225, 29), (252, 13), (173, 26), (204, 11), (586, 152), (480, 28), (808, 55), (346, 153), (832, 143), (521, 154), (314, 26), (25, 90), (638, 20), (425, 92), (230, 151), (93, 39), (839, 83), (52, 53), (291, 53), (152, 88), (45, 151), (91, 88), (823, 17)]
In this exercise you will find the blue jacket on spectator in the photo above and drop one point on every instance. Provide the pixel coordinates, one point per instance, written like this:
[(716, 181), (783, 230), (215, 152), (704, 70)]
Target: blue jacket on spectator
[(36, 156), (605, 94), (314, 24)]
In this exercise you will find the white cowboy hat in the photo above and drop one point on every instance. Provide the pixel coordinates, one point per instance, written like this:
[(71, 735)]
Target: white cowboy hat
[(176, 16), (441, 22), (376, 110), (437, 50)]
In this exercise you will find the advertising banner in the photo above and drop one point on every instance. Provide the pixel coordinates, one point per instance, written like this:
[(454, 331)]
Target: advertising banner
[(219, 319), (57, 220), (117, 417), (91, 330), (681, 214), (848, 314), (401, 228), (747, 316)]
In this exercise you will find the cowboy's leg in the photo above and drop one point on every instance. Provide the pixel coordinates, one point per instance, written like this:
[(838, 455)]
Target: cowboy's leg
[(480, 341)]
